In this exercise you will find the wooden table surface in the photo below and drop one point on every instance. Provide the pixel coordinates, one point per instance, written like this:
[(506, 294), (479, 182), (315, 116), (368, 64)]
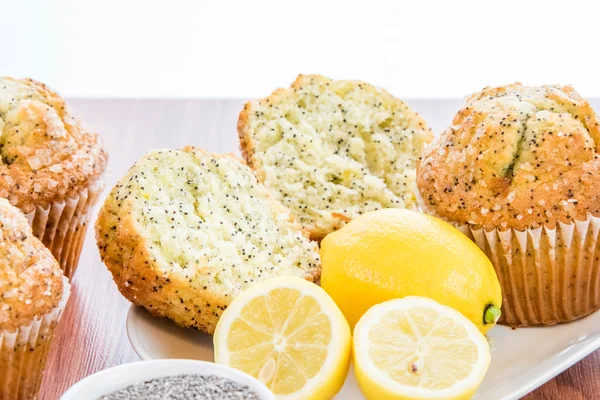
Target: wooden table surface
[(91, 335)]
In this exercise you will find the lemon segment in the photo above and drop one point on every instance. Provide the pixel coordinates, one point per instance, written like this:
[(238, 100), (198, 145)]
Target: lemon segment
[(288, 333), (416, 348)]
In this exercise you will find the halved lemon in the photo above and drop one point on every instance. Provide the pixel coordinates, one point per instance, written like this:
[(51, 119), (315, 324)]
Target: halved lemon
[(288, 333), (416, 348)]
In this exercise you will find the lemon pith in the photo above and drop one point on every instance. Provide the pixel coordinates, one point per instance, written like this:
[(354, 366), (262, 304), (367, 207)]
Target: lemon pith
[(416, 348), (394, 253), (289, 334)]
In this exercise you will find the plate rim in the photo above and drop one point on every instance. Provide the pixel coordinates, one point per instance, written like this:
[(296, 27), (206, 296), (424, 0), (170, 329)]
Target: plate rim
[(134, 313), (584, 351)]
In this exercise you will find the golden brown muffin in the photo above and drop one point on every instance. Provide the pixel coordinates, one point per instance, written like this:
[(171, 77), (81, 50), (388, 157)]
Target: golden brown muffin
[(185, 231), (50, 166), (332, 150), (518, 171), (516, 157), (32, 295), (46, 153)]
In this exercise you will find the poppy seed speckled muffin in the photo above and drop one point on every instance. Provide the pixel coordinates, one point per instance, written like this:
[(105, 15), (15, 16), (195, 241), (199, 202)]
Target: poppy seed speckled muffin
[(185, 231), (50, 166), (333, 150), (33, 293), (519, 171)]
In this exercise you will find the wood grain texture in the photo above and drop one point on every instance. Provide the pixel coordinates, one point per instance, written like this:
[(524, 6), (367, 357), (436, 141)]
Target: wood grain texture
[(92, 336)]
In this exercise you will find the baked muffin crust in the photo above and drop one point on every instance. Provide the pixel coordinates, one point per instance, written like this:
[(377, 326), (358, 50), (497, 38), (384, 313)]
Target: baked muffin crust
[(31, 281), (45, 153), (185, 231), (515, 157)]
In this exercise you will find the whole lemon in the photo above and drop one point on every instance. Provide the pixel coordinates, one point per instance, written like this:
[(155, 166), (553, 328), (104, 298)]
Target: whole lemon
[(394, 253)]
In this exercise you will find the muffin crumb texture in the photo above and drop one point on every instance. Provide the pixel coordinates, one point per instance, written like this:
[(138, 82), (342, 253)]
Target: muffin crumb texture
[(515, 157), (332, 150), (45, 153), (185, 231), (31, 282)]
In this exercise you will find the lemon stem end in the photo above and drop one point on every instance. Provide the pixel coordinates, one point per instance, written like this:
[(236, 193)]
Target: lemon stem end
[(491, 314)]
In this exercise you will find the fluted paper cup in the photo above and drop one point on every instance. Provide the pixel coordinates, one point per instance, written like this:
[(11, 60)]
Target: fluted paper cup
[(23, 353), (547, 275), (62, 225)]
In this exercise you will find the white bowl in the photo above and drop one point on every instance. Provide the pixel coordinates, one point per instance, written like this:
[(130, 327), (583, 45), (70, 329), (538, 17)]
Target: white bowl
[(119, 377)]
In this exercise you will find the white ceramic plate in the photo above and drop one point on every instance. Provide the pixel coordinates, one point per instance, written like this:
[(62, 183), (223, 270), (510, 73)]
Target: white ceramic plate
[(522, 359)]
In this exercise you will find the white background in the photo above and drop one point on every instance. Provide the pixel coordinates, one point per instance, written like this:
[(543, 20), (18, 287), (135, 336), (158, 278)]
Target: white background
[(248, 48)]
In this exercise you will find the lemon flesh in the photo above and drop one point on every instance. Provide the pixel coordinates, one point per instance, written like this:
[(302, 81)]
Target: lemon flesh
[(393, 253), (289, 334), (416, 348)]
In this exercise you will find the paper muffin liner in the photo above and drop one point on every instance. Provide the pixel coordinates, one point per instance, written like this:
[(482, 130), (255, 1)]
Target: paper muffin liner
[(547, 275), (63, 224), (23, 353)]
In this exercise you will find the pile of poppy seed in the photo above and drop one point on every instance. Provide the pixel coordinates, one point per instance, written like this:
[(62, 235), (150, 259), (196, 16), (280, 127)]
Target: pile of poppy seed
[(185, 387)]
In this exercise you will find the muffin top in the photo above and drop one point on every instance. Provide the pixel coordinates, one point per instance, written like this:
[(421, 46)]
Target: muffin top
[(45, 153), (515, 157), (30, 278)]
